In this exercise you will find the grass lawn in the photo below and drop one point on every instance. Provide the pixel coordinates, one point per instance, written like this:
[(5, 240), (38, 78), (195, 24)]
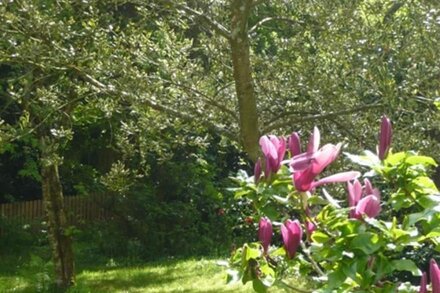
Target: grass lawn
[(167, 276), (31, 273)]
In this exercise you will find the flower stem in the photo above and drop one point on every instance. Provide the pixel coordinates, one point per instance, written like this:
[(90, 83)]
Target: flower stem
[(312, 261)]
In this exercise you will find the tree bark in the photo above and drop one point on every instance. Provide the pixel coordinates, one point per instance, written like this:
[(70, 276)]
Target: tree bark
[(61, 243), (244, 86)]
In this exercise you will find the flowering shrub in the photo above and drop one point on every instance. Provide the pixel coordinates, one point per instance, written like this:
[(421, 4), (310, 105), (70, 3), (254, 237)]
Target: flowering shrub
[(381, 236)]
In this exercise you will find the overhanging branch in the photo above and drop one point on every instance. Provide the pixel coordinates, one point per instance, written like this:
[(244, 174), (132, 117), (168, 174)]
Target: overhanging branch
[(322, 116), (111, 90), (269, 19), (207, 99), (216, 26)]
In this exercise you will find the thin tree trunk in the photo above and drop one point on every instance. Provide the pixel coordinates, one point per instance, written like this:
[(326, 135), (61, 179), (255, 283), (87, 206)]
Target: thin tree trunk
[(61, 243), (247, 104)]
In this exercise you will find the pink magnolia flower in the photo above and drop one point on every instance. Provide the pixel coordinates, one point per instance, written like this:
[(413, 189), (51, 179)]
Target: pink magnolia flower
[(257, 171), (291, 232), (369, 205), (314, 140), (265, 233), (423, 283), (364, 201), (273, 149), (434, 273), (354, 196), (294, 144), (307, 166), (385, 136)]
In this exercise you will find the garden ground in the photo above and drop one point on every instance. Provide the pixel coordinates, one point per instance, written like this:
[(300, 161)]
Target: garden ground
[(29, 273)]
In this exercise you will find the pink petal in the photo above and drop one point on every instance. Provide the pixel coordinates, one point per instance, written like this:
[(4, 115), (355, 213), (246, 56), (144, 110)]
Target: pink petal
[(324, 157), (423, 283), (257, 170), (370, 190), (281, 150), (385, 136), (354, 195), (292, 234), (434, 273), (303, 180), (339, 177), (268, 148), (301, 162), (294, 144), (369, 206), (314, 140), (265, 233)]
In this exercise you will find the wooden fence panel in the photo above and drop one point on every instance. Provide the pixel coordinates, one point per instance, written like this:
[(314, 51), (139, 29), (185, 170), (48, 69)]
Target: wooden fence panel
[(78, 209)]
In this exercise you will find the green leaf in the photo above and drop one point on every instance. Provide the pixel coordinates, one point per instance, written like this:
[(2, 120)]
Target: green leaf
[(367, 242), (280, 251), (336, 278), (437, 103), (242, 192), (396, 159), (259, 286), (319, 237), (406, 265), (434, 233), (425, 184), (426, 215), (252, 253), (424, 160), (429, 201)]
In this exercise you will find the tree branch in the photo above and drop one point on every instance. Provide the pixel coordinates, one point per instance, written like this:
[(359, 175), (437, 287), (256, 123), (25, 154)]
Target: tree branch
[(391, 11), (268, 19), (111, 90), (208, 100), (216, 26), (286, 122)]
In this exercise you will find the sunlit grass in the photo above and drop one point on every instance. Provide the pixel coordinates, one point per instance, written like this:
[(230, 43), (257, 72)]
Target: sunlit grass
[(31, 273), (166, 276)]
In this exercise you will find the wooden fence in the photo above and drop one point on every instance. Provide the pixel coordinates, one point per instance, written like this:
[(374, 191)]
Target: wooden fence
[(79, 209)]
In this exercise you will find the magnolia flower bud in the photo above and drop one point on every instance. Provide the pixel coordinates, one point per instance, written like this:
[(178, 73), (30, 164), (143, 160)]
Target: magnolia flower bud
[(434, 273), (265, 233), (385, 136), (292, 235)]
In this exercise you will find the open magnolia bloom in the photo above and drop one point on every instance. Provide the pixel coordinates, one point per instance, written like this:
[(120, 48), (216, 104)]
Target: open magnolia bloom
[(274, 149), (308, 165), (363, 200)]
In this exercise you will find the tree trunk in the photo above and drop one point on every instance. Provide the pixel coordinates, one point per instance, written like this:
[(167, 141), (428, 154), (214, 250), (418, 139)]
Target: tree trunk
[(247, 104), (61, 243)]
